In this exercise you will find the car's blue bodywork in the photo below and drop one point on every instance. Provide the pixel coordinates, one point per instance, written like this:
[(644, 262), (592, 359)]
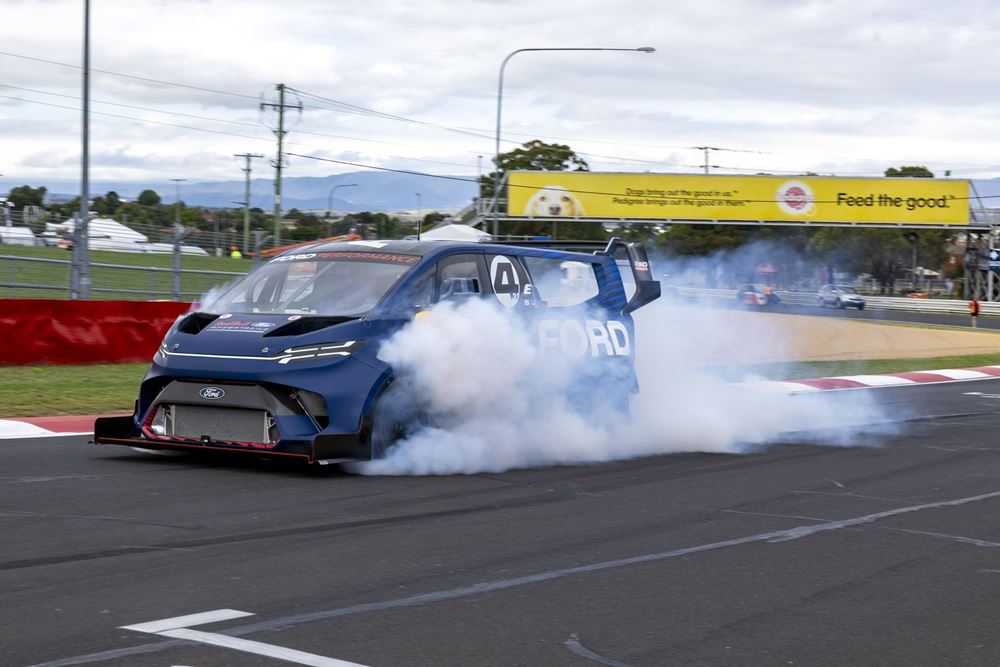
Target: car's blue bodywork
[(304, 383)]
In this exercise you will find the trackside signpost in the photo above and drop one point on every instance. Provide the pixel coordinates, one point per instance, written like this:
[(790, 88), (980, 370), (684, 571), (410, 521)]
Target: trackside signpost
[(805, 200)]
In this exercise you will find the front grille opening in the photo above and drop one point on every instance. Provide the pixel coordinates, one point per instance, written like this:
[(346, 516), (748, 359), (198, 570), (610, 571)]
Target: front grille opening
[(314, 405), (196, 422)]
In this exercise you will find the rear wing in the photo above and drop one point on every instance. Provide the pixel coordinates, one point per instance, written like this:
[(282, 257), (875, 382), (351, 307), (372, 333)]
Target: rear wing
[(647, 290)]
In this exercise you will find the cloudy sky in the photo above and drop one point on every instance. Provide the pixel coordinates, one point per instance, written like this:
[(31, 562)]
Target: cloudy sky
[(841, 87)]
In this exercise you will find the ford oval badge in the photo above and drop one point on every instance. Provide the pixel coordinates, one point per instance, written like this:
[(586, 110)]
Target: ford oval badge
[(212, 393)]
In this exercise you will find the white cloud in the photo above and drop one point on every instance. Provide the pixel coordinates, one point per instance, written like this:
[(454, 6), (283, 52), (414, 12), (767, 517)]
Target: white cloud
[(834, 85)]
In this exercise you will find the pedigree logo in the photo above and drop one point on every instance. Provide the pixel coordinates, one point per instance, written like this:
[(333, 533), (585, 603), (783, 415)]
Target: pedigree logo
[(796, 198)]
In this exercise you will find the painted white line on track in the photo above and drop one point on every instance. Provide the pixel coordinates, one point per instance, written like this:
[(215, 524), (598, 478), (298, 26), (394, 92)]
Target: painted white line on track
[(47, 434), (960, 374), (188, 620), (258, 648), (875, 380), (179, 627)]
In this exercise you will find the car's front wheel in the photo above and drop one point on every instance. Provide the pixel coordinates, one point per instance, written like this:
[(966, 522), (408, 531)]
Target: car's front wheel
[(395, 417)]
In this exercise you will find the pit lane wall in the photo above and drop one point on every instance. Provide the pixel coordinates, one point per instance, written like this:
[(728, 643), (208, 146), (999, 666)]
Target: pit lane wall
[(804, 199), (43, 331)]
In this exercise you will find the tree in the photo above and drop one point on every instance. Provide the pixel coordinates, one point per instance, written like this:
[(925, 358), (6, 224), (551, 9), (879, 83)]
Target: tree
[(148, 198), (25, 195), (534, 155), (913, 171), (537, 155)]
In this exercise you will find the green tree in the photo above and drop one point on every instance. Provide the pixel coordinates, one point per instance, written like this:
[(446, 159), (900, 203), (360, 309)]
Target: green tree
[(913, 171), (148, 198), (534, 155), (883, 253), (25, 195)]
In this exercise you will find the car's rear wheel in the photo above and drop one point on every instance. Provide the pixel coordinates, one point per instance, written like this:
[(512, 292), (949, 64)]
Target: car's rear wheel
[(861, 306), (840, 304), (821, 302), (395, 417)]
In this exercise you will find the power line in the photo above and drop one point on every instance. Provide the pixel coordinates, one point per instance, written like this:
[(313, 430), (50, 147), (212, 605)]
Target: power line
[(221, 132), (346, 107), (131, 76)]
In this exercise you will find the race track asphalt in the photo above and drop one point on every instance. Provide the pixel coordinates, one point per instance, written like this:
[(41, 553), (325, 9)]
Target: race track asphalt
[(873, 315), (886, 552)]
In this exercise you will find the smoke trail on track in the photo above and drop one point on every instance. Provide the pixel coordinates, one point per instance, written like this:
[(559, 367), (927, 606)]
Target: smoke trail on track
[(497, 402)]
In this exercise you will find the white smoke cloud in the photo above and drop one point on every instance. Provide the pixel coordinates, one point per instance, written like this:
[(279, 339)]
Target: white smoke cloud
[(498, 403)]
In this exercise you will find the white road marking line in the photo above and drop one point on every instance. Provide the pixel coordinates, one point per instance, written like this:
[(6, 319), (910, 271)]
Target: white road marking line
[(876, 380), (52, 434), (960, 374), (576, 646), (155, 627), (953, 538), (178, 627), (258, 648)]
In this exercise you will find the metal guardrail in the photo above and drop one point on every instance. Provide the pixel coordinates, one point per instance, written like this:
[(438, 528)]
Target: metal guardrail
[(32, 275), (947, 306)]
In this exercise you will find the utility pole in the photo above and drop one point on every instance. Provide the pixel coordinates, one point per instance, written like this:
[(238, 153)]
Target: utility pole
[(280, 133), (246, 200), (706, 149)]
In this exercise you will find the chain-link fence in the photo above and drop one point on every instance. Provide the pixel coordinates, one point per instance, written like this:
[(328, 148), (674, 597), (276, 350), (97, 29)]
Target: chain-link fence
[(23, 277), (214, 236), (133, 261)]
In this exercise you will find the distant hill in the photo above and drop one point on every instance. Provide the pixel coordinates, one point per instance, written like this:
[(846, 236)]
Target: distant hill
[(374, 191)]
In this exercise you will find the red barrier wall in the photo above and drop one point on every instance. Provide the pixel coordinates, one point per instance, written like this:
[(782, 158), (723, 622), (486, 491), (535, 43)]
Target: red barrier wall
[(43, 331)]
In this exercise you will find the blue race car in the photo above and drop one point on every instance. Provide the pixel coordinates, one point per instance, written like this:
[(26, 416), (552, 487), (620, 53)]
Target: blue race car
[(285, 362)]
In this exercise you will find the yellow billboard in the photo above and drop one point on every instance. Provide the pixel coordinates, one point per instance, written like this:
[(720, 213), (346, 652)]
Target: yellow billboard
[(577, 194)]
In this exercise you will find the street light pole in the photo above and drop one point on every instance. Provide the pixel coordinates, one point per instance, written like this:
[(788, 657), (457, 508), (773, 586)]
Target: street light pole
[(420, 215), (178, 239), (329, 203), (503, 65)]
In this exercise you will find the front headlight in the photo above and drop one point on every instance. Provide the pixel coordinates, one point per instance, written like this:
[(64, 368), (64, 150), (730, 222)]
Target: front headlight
[(321, 351)]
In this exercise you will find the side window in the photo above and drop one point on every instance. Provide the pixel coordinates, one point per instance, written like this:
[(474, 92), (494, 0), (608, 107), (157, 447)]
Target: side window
[(458, 277), (418, 295), (559, 283)]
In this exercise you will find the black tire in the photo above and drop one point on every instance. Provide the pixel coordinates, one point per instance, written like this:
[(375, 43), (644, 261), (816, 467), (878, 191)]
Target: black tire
[(395, 416), (821, 302), (861, 306), (840, 304)]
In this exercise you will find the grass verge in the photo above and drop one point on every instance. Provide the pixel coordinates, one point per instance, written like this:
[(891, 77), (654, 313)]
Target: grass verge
[(27, 391)]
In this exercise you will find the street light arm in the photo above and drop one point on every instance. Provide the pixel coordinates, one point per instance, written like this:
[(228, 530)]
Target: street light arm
[(503, 66), (329, 201)]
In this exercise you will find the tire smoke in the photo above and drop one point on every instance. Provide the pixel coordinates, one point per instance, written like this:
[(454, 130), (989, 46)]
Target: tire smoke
[(497, 402)]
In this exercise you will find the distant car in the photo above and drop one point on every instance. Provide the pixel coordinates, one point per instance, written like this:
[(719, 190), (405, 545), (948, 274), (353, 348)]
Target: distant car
[(841, 296), (757, 295)]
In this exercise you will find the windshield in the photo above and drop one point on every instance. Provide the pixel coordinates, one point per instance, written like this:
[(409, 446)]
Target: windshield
[(325, 283), (844, 289)]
